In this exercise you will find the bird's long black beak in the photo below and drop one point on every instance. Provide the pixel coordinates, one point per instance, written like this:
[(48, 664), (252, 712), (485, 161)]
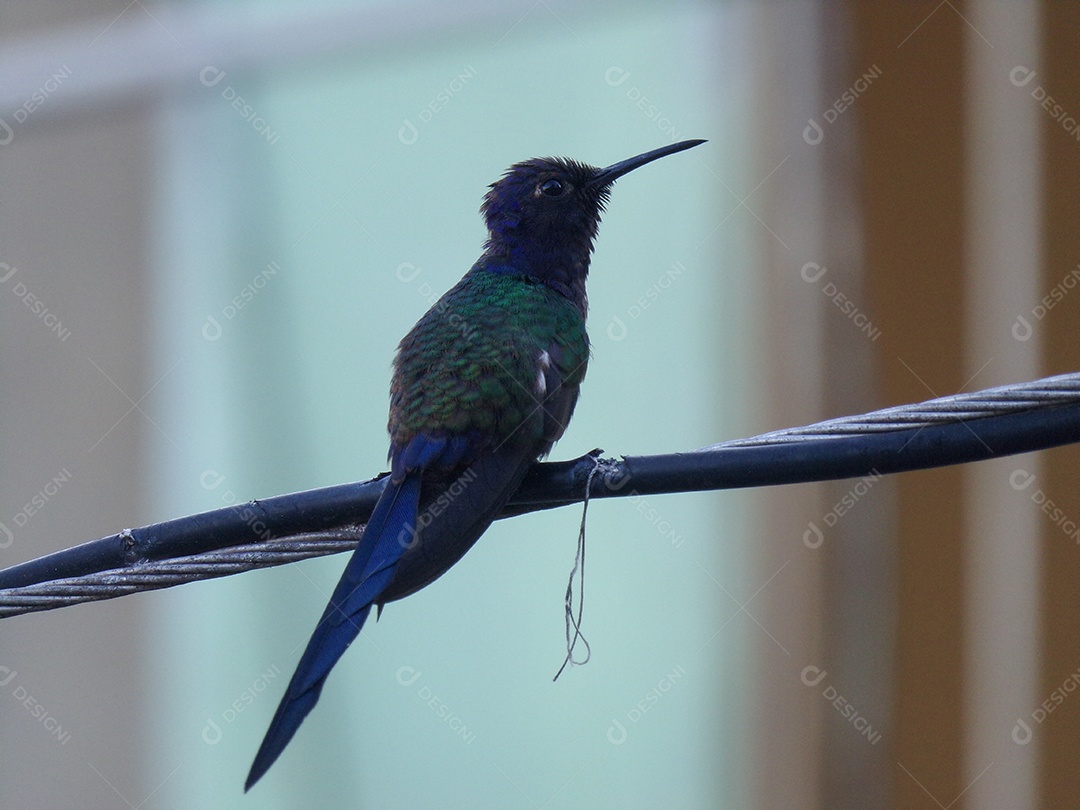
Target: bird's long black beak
[(606, 177)]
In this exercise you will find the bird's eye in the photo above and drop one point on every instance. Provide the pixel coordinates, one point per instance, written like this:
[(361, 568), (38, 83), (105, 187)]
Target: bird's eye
[(551, 188)]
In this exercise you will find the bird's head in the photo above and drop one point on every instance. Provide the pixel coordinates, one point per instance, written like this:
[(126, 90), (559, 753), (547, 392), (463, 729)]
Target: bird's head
[(542, 215)]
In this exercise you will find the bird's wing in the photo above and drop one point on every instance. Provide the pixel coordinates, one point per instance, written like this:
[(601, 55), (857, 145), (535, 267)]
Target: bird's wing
[(454, 512), (539, 388), (559, 380)]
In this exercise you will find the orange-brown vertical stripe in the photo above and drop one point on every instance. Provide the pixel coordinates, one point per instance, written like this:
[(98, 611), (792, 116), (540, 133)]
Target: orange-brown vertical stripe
[(912, 189)]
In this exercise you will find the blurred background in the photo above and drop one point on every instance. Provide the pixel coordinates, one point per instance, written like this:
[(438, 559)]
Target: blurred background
[(217, 220)]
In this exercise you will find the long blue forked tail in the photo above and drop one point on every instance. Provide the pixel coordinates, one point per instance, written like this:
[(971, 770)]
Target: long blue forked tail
[(386, 537)]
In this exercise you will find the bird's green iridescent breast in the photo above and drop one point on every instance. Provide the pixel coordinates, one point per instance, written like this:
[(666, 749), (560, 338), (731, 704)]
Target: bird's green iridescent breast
[(474, 365)]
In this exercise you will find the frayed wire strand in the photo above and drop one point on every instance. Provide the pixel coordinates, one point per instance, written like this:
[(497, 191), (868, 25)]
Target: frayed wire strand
[(579, 570)]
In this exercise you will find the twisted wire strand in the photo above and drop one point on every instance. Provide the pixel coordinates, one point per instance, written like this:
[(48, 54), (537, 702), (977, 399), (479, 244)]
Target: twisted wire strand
[(1039, 395), (156, 574), (1049, 392)]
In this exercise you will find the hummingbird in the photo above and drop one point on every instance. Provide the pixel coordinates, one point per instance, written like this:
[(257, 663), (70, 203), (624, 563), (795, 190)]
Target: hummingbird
[(482, 388)]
